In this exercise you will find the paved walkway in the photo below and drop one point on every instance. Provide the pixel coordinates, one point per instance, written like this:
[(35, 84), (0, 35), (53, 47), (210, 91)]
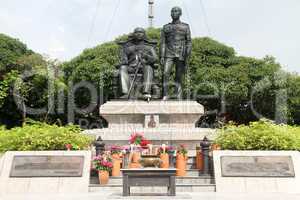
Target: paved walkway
[(198, 196)]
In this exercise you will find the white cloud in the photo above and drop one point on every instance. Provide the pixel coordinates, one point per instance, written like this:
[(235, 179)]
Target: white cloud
[(64, 28)]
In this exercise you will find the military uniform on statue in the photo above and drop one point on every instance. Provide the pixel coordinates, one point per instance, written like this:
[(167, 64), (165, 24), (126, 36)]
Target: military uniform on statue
[(176, 47)]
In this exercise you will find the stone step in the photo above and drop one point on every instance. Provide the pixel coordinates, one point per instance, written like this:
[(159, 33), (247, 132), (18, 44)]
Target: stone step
[(187, 180), (189, 173), (117, 188), (155, 134)]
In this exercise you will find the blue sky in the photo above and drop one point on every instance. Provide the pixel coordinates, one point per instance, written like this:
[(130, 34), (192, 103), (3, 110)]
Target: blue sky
[(63, 28)]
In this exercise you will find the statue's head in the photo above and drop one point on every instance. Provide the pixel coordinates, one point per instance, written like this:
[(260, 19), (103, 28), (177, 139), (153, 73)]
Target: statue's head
[(139, 33), (176, 13)]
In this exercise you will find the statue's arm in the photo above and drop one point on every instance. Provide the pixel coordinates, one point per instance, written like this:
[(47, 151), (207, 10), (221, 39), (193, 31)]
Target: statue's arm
[(188, 42), (153, 58), (123, 56)]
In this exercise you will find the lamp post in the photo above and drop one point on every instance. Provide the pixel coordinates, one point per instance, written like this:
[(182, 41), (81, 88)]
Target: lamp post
[(151, 13), (205, 145), (99, 146)]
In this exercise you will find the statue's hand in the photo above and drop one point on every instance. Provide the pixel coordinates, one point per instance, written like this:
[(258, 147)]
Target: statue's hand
[(144, 61), (162, 61)]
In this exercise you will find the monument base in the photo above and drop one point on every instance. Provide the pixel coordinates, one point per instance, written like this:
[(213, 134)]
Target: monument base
[(153, 114), (161, 122)]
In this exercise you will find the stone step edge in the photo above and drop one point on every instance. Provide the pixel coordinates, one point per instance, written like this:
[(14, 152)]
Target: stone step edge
[(177, 177), (177, 185)]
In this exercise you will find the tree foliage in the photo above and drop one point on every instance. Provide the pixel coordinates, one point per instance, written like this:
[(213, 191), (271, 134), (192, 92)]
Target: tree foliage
[(26, 72), (223, 82), (232, 87)]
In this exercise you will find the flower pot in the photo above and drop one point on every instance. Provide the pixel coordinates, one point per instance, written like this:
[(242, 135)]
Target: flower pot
[(103, 177), (215, 147), (199, 160), (181, 165), (116, 167), (135, 157), (115, 156), (165, 160), (134, 165)]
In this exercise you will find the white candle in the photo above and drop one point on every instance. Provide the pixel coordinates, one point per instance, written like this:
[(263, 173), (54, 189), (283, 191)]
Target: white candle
[(131, 147), (164, 148)]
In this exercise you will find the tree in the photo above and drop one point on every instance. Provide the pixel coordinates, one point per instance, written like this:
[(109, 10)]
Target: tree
[(293, 90), (230, 87), (24, 71), (219, 79)]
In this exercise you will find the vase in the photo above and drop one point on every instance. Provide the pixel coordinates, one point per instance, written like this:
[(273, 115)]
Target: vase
[(165, 160), (134, 160), (135, 157), (134, 165), (103, 177), (199, 160), (181, 164), (115, 156), (215, 147), (116, 165)]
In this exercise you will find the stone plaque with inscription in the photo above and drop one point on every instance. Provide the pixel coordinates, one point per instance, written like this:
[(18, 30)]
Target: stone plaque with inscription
[(257, 166), (47, 166)]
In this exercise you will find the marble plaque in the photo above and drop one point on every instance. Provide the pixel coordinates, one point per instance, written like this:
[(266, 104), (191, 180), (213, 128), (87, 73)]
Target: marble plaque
[(257, 166), (47, 166), (151, 121)]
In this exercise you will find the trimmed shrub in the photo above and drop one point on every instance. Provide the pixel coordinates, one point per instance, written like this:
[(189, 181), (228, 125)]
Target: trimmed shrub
[(42, 136), (260, 135)]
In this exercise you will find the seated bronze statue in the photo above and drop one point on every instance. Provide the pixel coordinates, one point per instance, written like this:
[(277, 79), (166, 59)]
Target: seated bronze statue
[(138, 60)]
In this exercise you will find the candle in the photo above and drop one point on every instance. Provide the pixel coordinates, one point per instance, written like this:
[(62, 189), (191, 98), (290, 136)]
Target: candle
[(150, 148), (131, 147), (164, 148)]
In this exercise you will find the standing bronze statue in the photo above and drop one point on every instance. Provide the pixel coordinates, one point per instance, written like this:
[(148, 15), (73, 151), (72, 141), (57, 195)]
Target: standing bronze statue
[(138, 57), (176, 46)]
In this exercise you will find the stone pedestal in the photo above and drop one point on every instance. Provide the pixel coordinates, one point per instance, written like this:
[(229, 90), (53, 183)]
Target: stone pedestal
[(169, 122), (153, 114)]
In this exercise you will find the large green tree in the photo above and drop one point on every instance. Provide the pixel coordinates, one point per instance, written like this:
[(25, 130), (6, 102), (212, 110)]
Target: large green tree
[(234, 87), (24, 77), (240, 88)]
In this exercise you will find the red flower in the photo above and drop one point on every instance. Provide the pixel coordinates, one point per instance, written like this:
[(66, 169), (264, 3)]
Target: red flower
[(68, 146), (136, 138), (144, 143)]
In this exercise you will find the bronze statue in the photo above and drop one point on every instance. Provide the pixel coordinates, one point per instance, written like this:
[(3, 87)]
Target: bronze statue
[(176, 46), (137, 56)]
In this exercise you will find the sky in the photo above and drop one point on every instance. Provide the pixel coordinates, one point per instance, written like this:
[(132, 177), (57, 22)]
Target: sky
[(62, 29)]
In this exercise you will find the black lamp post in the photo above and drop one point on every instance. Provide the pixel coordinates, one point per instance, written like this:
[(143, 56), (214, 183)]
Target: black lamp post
[(99, 146), (205, 146)]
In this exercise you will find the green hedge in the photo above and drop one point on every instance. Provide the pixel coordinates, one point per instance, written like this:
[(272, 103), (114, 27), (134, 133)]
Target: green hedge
[(261, 135), (42, 136)]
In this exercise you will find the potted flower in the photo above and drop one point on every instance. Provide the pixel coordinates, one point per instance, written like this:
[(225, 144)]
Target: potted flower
[(68, 147), (144, 143), (164, 154), (136, 138), (199, 158), (215, 147), (103, 163), (137, 143), (116, 151), (115, 154), (181, 158)]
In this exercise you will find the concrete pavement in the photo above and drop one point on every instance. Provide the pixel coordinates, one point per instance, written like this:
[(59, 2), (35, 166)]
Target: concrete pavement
[(183, 196)]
